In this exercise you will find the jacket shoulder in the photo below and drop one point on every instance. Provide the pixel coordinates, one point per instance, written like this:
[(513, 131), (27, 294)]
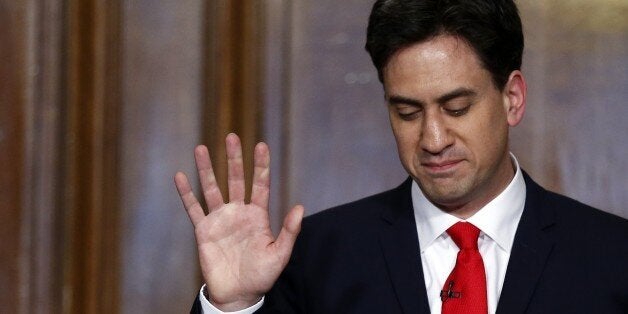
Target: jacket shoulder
[(569, 212), (584, 217), (361, 211)]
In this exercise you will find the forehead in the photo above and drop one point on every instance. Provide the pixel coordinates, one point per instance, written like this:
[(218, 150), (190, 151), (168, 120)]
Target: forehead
[(438, 65)]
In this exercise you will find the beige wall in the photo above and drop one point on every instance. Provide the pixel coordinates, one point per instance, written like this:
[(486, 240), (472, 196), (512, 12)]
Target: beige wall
[(573, 138)]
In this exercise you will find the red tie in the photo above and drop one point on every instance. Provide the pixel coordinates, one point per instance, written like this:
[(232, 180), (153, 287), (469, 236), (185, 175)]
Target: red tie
[(465, 288)]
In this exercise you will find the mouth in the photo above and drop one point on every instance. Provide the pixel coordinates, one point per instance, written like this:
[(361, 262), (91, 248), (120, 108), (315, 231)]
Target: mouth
[(441, 167)]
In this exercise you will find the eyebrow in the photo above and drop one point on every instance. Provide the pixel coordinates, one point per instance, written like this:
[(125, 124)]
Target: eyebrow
[(396, 100), (456, 93)]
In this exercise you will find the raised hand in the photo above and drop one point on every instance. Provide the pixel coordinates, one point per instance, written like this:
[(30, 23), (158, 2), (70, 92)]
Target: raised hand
[(239, 256)]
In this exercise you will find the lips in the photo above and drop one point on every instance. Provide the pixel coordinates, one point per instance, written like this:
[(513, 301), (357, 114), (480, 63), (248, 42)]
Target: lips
[(441, 166)]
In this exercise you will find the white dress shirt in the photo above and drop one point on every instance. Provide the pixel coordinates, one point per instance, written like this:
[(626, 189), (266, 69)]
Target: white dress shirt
[(497, 221), (208, 308)]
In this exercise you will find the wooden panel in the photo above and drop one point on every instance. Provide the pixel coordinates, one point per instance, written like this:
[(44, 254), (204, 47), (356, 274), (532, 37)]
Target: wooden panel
[(162, 90), (276, 107), (234, 32), (191, 76), (81, 136), (29, 140), (43, 157), (90, 171), (13, 101)]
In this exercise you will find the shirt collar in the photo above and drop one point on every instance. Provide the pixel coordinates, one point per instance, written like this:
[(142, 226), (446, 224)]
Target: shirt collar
[(498, 219)]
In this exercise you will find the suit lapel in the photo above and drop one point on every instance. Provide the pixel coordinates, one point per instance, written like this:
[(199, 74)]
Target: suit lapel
[(532, 246), (400, 245)]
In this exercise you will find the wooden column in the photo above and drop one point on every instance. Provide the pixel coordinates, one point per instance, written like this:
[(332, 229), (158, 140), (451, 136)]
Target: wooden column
[(58, 137), (30, 33), (43, 192), (233, 103), (70, 160), (13, 101), (89, 161)]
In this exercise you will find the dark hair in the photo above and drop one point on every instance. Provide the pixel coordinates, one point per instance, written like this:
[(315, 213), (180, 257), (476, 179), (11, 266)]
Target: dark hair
[(491, 27)]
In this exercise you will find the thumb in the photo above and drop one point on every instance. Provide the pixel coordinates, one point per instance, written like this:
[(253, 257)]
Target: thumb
[(289, 231)]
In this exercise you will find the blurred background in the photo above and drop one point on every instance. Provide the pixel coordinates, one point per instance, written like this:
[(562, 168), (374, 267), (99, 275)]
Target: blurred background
[(101, 102)]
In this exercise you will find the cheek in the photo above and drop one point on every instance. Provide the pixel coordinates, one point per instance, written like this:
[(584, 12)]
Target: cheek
[(406, 138), (482, 134), (489, 124), (489, 138)]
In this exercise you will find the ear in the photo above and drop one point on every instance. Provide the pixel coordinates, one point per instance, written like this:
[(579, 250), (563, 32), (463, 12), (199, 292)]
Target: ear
[(514, 94)]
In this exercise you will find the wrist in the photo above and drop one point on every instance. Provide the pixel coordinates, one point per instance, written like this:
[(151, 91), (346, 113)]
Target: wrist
[(231, 306)]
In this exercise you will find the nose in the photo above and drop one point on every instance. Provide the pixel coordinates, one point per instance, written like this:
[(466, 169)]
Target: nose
[(435, 137)]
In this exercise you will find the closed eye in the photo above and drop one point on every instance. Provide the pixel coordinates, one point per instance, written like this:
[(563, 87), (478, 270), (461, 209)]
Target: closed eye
[(458, 112), (408, 116), (408, 113)]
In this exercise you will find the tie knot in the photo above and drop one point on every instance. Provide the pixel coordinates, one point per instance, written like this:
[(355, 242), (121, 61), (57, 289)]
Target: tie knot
[(465, 235)]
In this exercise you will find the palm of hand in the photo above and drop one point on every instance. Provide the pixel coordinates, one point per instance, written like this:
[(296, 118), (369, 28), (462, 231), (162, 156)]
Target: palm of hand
[(239, 250), (239, 256)]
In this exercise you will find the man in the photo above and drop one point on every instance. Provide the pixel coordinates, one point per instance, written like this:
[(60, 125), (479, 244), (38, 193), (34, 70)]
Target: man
[(468, 232)]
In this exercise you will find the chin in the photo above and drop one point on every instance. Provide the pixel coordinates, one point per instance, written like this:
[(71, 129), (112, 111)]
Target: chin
[(445, 199), (448, 195)]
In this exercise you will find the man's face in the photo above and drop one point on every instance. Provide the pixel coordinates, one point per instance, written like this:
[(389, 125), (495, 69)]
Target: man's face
[(450, 122)]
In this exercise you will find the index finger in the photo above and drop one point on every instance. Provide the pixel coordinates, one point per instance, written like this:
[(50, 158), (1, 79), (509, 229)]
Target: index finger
[(191, 204), (211, 191)]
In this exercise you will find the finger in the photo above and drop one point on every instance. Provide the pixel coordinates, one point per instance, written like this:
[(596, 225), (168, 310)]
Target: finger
[(289, 231), (193, 208), (235, 176), (211, 191), (261, 176)]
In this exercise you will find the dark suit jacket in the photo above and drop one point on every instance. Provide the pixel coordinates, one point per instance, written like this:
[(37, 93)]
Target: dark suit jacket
[(363, 257)]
